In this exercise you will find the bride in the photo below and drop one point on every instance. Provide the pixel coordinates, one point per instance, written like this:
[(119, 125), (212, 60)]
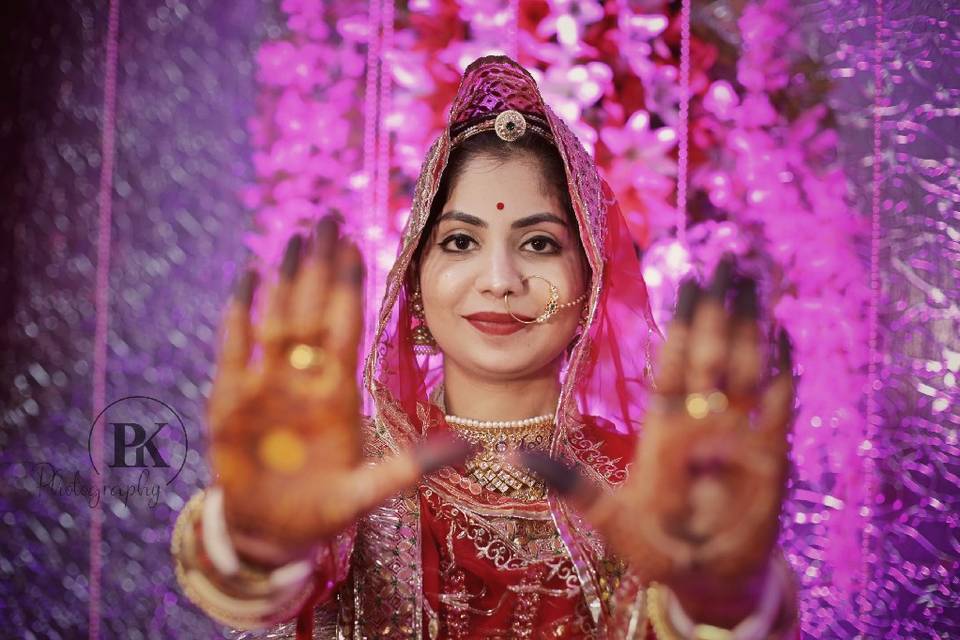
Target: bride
[(539, 463)]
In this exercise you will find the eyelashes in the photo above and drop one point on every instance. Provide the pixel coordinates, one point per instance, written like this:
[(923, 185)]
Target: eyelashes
[(456, 239), (461, 243)]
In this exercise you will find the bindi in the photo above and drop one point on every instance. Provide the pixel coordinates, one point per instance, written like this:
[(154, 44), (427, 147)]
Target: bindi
[(500, 205)]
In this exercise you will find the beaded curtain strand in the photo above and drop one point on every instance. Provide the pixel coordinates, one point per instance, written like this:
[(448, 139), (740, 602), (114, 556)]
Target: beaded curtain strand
[(873, 379), (371, 128), (102, 302), (382, 197), (513, 30), (683, 124)]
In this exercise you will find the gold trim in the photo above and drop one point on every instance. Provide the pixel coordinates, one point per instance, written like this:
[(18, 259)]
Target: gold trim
[(500, 125)]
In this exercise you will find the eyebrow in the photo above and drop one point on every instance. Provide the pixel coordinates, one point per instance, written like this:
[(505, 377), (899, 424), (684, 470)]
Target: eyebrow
[(527, 221)]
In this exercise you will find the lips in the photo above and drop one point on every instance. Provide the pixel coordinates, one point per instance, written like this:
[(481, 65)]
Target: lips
[(499, 324)]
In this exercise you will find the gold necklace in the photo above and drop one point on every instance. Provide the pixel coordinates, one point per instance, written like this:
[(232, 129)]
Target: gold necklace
[(496, 440)]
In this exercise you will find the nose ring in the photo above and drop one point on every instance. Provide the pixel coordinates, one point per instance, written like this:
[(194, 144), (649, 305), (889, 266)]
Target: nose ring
[(550, 309)]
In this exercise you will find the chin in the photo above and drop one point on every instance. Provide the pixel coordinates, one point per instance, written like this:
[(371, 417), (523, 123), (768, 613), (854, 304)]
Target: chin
[(507, 365)]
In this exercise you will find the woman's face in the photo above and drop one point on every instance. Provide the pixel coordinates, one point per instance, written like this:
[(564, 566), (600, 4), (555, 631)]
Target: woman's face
[(479, 251)]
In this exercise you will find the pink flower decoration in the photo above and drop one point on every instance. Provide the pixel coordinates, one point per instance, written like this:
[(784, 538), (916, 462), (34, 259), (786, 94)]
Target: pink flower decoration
[(569, 90), (641, 27), (635, 142), (721, 100), (568, 19), (485, 16), (642, 161), (662, 92), (665, 264), (307, 18), (274, 63), (284, 63), (411, 71), (757, 111), (637, 34)]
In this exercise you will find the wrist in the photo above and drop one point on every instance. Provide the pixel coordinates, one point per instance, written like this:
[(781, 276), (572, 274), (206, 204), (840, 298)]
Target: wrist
[(247, 599), (719, 603), (229, 547), (263, 554), (234, 554)]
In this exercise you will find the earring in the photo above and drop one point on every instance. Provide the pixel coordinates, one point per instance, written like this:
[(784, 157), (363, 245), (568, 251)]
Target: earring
[(423, 341), (584, 314)]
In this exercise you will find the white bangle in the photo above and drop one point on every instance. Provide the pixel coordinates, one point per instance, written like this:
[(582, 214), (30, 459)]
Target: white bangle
[(216, 541), (223, 556), (756, 626)]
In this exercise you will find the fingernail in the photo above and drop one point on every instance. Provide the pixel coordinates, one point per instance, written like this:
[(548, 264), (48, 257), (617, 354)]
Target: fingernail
[(246, 284), (327, 232), (441, 450), (785, 348), (561, 478), (291, 257), (351, 269), (745, 299), (721, 277), (687, 299)]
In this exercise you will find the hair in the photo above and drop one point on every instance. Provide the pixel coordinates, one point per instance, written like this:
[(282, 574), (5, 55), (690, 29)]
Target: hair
[(553, 177)]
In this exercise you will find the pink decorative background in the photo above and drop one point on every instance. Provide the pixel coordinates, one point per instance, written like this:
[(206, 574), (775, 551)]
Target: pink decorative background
[(816, 140), (726, 141)]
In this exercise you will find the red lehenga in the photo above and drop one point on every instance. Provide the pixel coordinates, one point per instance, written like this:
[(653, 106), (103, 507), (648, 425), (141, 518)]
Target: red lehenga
[(448, 559), (452, 560)]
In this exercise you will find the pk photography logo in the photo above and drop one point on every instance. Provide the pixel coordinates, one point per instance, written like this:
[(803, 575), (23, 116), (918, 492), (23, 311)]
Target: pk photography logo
[(145, 447)]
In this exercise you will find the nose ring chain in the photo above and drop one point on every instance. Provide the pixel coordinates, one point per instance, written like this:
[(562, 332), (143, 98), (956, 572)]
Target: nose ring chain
[(550, 309)]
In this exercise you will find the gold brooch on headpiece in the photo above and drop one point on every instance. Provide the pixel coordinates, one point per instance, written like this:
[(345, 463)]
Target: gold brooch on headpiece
[(509, 125)]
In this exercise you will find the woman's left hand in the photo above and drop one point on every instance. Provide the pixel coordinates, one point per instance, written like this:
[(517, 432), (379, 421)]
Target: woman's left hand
[(700, 509)]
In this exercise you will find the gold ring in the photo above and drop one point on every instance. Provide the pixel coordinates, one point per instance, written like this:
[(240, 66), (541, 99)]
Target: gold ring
[(326, 372), (700, 405), (550, 309), (304, 356)]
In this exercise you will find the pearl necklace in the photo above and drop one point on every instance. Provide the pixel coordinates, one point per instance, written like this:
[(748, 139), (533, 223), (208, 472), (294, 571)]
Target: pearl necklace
[(535, 421)]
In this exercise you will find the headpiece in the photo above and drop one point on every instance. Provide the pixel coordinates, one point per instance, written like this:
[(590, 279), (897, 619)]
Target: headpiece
[(510, 126)]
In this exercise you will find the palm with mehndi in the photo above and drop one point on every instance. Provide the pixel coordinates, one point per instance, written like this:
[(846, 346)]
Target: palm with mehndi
[(285, 426), (700, 509)]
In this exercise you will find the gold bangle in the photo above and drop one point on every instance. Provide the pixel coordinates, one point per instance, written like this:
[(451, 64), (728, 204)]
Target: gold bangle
[(666, 631), (262, 605), (657, 615)]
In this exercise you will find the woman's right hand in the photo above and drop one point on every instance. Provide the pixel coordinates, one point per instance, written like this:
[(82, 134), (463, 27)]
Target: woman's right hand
[(285, 425)]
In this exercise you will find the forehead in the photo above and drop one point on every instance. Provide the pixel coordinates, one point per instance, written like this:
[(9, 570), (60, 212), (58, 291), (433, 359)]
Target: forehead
[(518, 183)]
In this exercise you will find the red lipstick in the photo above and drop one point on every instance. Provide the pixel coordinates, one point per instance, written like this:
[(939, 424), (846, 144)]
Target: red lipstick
[(498, 324)]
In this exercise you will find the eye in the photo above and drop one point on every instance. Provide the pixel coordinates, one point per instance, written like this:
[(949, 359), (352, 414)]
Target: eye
[(543, 244), (460, 241)]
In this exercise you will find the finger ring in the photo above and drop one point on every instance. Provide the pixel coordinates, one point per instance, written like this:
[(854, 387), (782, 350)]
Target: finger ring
[(700, 405), (283, 450), (328, 372), (304, 356)]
